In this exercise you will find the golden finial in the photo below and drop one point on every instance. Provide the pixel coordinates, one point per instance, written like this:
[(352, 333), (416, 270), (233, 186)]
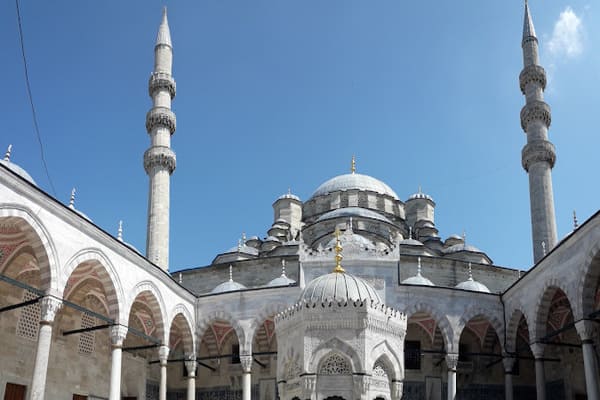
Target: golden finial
[(338, 253), (353, 164)]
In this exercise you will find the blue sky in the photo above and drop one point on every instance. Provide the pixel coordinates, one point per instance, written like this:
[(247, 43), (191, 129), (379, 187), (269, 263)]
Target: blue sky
[(277, 94)]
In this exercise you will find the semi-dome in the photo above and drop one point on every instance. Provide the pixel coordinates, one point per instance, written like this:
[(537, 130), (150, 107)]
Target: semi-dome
[(473, 285), (354, 181), (350, 238), (351, 212), (16, 168), (339, 286), (461, 247), (230, 285)]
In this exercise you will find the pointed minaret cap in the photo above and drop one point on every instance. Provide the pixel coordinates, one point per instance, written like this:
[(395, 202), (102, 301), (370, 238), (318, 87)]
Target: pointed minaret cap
[(528, 29), (164, 34)]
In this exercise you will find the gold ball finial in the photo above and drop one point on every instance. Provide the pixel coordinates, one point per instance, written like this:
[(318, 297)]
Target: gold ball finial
[(338, 253), (353, 164)]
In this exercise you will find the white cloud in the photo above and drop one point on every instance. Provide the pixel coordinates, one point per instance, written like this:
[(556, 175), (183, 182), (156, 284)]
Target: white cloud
[(567, 36)]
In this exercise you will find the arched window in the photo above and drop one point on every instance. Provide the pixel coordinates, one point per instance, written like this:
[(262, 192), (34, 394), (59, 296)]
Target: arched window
[(379, 370), (335, 364)]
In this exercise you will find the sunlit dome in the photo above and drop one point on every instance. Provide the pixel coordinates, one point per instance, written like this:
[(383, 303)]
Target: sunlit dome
[(339, 286), (473, 285), (418, 279), (16, 168), (282, 280), (230, 285), (354, 181)]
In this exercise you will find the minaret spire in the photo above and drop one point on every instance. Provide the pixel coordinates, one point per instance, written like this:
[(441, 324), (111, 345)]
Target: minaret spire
[(538, 155), (159, 159)]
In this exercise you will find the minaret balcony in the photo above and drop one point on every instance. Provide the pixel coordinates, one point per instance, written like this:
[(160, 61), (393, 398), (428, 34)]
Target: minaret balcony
[(535, 111), (161, 81), (160, 156), (539, 150), (161, 117), (532, 74)]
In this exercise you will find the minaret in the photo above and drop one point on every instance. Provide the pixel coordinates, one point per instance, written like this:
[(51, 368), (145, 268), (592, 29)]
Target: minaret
[(538, 155), (159, 159)]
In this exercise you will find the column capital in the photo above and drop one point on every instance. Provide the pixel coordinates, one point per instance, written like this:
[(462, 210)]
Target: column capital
[(586, 329), (118, 333), (509, 363), (49, 307), (190, 365), (452, 361), (163, 354), (537, 349), (246, 361), (397, 390)]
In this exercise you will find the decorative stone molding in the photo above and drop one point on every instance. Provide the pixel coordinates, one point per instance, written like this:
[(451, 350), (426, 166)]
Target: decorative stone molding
[(535, 111), (190, 365), (161, 81), (397, 388), (538, 350), (160, 156), (586, 329), (309, 385), (49, 307), (163, 355), (246, 362), (452, 361), (532, 74), (118, 333), (160, 116), (540, 150), (508, 363)]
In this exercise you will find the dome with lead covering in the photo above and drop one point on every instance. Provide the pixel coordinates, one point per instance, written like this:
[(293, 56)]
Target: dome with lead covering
[(16, 168), (354, 181), (339, 286), (354, 212), (473, 285), (230, 285)]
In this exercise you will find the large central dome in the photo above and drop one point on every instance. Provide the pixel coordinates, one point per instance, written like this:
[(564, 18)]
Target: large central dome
[(354, 181)]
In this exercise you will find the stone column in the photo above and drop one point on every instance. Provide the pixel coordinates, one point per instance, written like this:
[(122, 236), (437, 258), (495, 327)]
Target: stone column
[(396, 390), (49, 307), (163, 356), (451, 362), (587, 331), (246, 362), (190, 366), (509, 363), (118, 333), (540, 376)]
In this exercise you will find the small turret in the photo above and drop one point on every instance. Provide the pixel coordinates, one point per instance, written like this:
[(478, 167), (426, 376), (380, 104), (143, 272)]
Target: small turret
[(419, 207), (288, 207)]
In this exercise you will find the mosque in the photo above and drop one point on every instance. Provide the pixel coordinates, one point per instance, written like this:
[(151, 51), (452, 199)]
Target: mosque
[(350, 294)]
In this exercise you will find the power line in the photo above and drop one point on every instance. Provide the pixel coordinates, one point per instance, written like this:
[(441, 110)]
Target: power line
[(35, 123)]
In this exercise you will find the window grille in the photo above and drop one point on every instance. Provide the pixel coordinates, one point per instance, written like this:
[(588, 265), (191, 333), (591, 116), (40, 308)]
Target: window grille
[(335, 365), (87, 339), (29, 320)]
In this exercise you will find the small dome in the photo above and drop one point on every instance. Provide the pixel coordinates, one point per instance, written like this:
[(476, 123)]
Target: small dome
[(473, 285), (461, 247), (289, 196), (244, 248), (455, 237), (353, 212), (339, 286), (418, 279), (15, 168), (230, 285), (282, 280), (271, 239), (354, 181), (420, 195)]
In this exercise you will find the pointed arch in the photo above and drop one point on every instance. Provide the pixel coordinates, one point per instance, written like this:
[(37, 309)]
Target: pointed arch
[(588, 283), (440, 319), (156, 304), (542, 307), (182, 318), (268, 311), (477, 311), (513, 326), (103, 271), (334, 345), (206, 321), (41, 243), (383, 351)]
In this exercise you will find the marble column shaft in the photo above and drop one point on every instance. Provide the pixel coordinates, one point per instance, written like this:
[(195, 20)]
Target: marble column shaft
[(49, 308)]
